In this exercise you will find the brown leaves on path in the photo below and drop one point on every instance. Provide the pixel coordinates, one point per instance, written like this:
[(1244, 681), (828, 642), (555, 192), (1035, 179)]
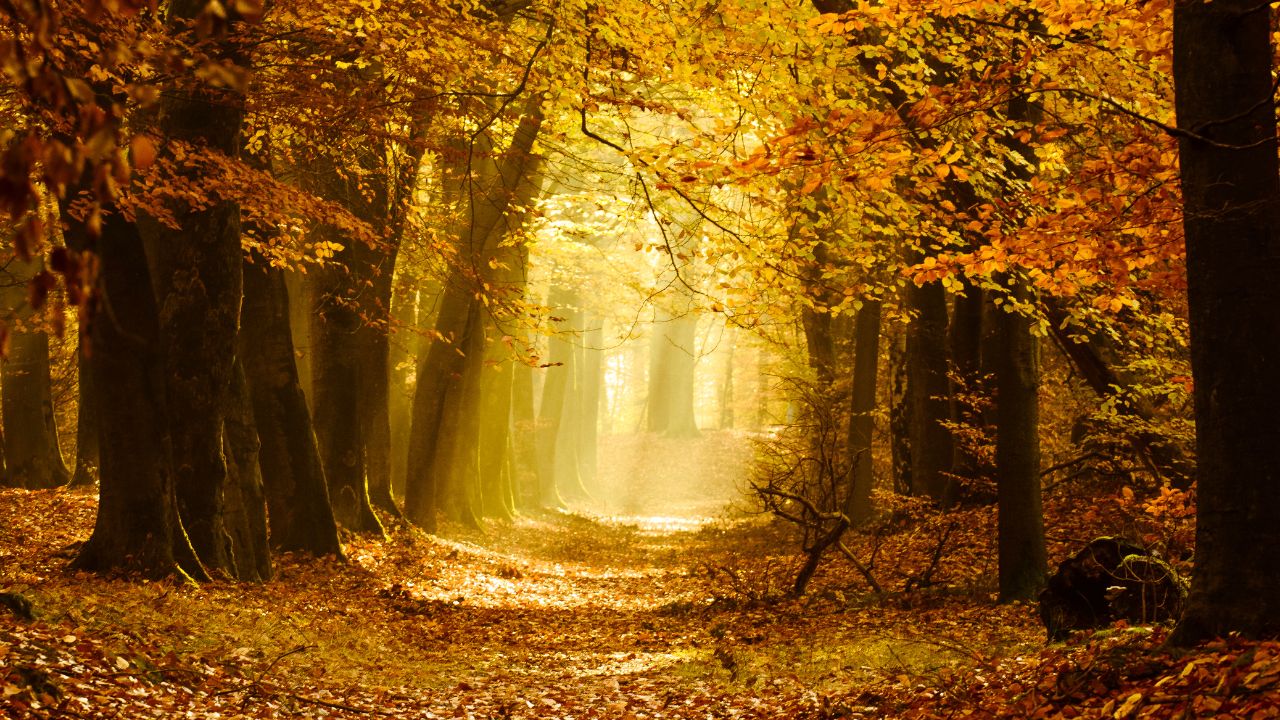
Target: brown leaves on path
[(563, 615)]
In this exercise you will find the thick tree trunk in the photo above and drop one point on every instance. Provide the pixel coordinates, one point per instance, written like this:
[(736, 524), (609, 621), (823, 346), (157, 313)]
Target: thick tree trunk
[(439, 373), (1022, 558), (866, 357), (302, 305), (1231, 195), (197, 276), (31, 442), (375, 408), (137, 527), (457, 462), (495, 434), (296, 492), (409, 310), (524, 451)]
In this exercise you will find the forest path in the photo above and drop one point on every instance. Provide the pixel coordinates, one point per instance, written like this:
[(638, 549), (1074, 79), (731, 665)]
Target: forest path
[(654, 613)]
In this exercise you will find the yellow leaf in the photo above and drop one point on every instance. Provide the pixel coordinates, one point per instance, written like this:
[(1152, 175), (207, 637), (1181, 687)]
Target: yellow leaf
[(942, 171), (1126, 708)]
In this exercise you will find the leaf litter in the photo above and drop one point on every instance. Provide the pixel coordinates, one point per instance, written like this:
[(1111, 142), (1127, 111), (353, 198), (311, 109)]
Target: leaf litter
[(562, 615)]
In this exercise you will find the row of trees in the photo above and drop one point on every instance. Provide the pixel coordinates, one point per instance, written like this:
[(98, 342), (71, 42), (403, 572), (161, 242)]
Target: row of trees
[(961, 182)]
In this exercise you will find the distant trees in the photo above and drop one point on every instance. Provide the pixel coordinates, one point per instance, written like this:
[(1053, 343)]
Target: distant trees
[(32, 456)]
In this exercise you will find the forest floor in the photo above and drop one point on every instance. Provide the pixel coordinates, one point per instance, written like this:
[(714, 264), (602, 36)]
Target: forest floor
[(625, 612)]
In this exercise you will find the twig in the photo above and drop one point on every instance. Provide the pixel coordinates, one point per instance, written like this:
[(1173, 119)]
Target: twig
[(336, 705), (862, 569)]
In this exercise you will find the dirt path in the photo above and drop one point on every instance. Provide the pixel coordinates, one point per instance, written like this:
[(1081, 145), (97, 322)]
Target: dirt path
[(648, 615)]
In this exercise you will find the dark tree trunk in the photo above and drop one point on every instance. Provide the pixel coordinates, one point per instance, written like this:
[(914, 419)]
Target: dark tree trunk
[(244, 501), (929, 393), (336, 390), (1231, 201), (899, 414), (137, 527), (302, 304), (966, 361), (1022, 559), (866, 357), (296, 492)]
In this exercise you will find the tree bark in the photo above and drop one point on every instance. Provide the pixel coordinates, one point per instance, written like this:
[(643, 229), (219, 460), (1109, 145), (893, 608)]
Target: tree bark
[(928, 394), (1231, 215), (137, 527), (1022, 557), (496, 181), (335, 367), (966, 362), (296, 493), (866, 358)]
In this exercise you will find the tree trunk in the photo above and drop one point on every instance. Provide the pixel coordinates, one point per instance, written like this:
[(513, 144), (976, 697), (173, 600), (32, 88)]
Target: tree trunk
[(374, 400), (137, 527), (590, 379), (1021, 526), (672, 366), (966, 361), (489, 191), (457, 460), (557, 390), (197, 274), (858, 508), (495, 430), (31, 442), (335, 395), (1231, 194), (297, 495), (244, 501), (301, 308), (439, 373), (899, 414), (928, 394)]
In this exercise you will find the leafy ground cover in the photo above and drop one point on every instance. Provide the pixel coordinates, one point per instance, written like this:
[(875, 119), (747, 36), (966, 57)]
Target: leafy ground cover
[(562, 615)]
